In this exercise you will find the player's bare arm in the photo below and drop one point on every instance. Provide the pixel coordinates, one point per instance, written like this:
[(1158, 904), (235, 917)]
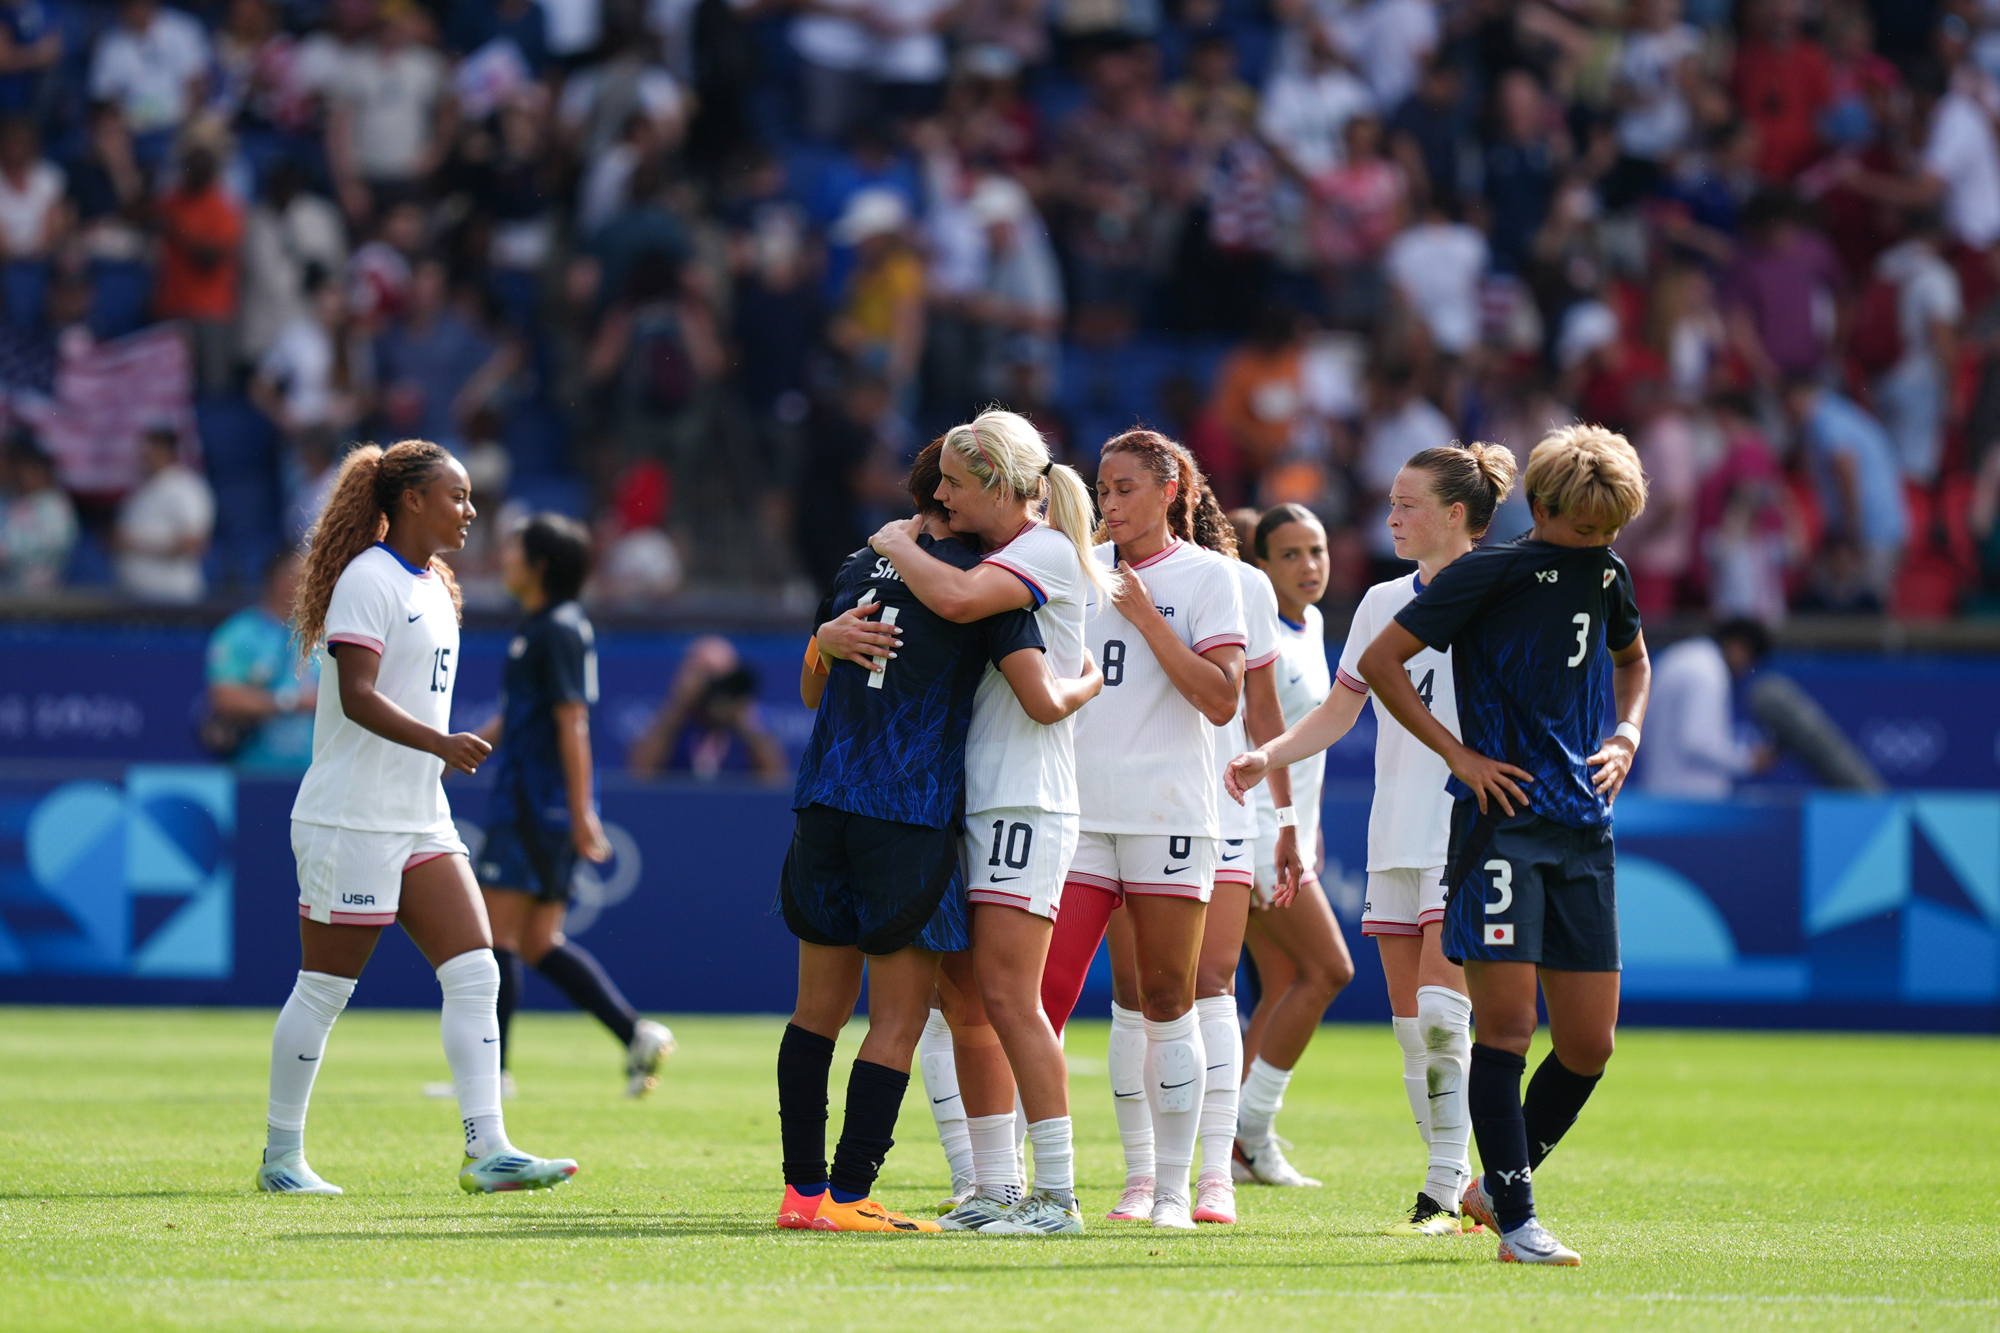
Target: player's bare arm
[(1631, 686), (1382, 668), (959, 595), (1044, 697), (573, 741), (366, 707), (1263, 720), (1318, 730), (1209, 680)]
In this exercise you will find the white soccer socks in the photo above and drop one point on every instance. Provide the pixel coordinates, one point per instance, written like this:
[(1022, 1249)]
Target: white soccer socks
[(1055, 1157), (994, 1164), (470, 1025), (1444, 1019), (297, 1043), (1127, 1061), (1416, 1059), (1176, 1073), (1263, 1096), (1222, 1046), (939, 1063)]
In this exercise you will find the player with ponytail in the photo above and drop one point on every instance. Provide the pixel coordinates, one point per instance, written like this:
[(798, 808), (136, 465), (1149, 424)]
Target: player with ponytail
[(998, 483), (1439, 508), (371, 828)]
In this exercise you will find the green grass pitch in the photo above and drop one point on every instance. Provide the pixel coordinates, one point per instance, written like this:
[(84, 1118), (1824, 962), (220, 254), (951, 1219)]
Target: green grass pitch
[(1723, 1181)]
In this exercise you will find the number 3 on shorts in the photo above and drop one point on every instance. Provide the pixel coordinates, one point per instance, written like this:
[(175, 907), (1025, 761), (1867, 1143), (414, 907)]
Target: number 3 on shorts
[(1500, 932)]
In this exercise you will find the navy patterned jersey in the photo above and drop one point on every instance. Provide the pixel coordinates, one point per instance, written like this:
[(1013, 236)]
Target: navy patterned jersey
[(1531, 628), (551, 660), (896, 750)]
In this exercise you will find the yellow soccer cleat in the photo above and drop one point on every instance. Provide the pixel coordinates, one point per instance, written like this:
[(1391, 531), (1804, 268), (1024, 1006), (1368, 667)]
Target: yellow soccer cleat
[(865, 1215), (1426, 1218)]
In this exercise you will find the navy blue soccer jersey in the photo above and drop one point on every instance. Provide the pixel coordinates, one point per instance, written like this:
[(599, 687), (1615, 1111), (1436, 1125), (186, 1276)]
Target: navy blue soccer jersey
[(896, 749), (1531, 628), (551, 660)]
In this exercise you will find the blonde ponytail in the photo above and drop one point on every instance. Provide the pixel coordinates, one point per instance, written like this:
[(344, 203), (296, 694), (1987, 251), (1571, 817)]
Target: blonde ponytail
[(1001, 448)]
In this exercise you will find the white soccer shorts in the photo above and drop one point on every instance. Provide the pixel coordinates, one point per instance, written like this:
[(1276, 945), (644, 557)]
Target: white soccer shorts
[(1403, 901), (1156, 863), (1019, 857), (351, 877), (1236, 862), (1266, 882)]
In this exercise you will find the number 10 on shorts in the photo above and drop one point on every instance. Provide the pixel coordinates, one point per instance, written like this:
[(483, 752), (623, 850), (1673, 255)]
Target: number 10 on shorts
[(1500, 932)]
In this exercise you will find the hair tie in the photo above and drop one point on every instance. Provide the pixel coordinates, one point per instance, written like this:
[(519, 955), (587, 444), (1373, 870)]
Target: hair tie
[(1046, 466), (991, 471)]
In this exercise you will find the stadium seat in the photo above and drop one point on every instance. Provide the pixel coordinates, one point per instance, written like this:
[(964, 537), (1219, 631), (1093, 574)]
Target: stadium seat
[(563, 495), (121, 296)]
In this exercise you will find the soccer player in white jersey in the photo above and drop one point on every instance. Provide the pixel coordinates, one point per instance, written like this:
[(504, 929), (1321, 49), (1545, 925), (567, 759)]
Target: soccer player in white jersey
[(1259, 720), (371, 828), (1170, 643), (1294, 940), (1441, 503), (1033, 516)]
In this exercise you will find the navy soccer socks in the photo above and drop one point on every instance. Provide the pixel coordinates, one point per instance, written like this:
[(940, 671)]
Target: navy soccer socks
[(590, 988), (874, 1096), (1493, 1096), (512, 976), (804, 1061), (1555, 1097)]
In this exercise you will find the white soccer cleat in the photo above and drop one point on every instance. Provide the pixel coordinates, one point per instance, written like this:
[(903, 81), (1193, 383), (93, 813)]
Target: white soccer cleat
[(1214, 1200), (651, 1044), (961, 1194), (290, 1175), (511, 1169), (974, 1214), (1531, 1243), (1170, 1211), (1266, 1164), (1135, 1204), (1040, 1214)]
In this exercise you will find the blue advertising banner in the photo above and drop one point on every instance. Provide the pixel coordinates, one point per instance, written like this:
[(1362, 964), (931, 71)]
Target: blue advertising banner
[(172, 884)]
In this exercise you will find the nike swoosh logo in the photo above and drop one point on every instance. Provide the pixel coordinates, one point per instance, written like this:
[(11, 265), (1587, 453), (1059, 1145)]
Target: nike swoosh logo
[(489, 1040), (1237, 857), (1140, 1093), (1003, 879), (1175, 870), (309, 1058), (939, 1100), (1169, 1087), (1436, 1095), (415, 618), (1224, 1066), (1295, 679)]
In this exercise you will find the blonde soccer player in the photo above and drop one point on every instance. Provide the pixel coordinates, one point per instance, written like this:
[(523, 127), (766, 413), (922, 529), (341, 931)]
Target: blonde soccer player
[(1439, 507), (1032, 516), (371, 828), (1545, 638), (1259, 718), (1170, 644)]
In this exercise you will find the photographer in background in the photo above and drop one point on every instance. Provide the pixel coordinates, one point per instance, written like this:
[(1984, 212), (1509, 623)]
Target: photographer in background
[(709, 723)]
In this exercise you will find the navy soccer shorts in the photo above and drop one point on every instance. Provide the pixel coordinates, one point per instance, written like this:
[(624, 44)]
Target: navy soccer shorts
[(1524, 889), (872, 883), (529, 856)]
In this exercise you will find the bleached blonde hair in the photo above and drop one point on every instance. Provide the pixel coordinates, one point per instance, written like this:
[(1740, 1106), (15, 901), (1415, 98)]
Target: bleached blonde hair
[(1001, 448), (1587, 470)]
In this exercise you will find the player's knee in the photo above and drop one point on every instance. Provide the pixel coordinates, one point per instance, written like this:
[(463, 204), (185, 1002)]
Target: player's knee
[(1325, 977), (1587, 1054), (1165, 1001)]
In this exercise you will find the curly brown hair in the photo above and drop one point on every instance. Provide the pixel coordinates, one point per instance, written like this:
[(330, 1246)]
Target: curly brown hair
[(1212, 529), (1167, 461), (371, 482)]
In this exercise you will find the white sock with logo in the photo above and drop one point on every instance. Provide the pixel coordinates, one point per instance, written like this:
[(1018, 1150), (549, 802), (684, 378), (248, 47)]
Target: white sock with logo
[(470, 1025), (994, 1165), (1127, 1059), (1175, 1072), (1445, 1019), (940, 1069), (1416, 1059), (1222, 1047), (1263, 1097), (297, 1043), (1055, 1157)]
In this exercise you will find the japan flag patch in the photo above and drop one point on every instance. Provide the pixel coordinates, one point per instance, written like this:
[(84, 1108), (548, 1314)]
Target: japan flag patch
[(1499, 932)]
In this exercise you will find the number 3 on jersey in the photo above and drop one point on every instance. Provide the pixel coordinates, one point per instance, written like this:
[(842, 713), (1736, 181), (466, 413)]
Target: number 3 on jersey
[(1582, 622)]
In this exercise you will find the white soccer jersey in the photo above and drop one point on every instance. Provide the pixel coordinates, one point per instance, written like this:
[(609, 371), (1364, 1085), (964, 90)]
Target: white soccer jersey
[(359, 780), (1409, 823), (1303, 682), (1011, 760), (1260, 623), (1145, 756)]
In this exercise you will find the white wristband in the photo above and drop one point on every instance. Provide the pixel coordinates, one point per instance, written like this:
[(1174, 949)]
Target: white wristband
[(1287, 817), (1629, 732)]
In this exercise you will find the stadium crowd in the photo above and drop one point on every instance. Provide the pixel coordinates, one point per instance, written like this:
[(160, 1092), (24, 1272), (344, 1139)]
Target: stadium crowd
[(709, 271)]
